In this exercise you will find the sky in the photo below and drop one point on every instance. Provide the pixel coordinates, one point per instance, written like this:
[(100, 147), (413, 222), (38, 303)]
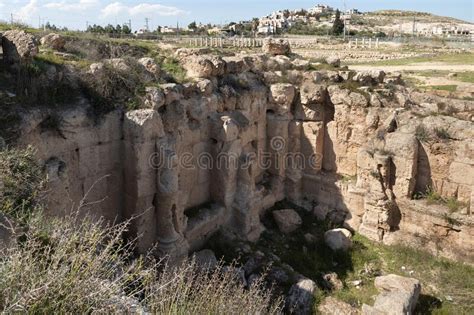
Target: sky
[(75, 14)]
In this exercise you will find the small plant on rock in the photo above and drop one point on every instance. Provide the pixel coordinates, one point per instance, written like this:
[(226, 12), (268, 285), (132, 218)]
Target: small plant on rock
[(442, 133), (422, 133)]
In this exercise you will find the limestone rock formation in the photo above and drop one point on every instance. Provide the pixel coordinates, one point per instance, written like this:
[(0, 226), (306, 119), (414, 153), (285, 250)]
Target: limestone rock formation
[(18, 46), (54, 41), (248, 131), (288, 220), (276, 47), (338, 239)]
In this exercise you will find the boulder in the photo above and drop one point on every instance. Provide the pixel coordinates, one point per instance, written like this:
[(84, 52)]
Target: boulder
[(338, 239), (288, 220), (18, 46), (333, 61), (54, 41), (199, 67), (205, 259), (283, 96), (276, 47), (332, 306), (300, 297), (398, 296), (332, 281), (313, 95), (150, 65), (154, 97), (369, 77), (320, 212)]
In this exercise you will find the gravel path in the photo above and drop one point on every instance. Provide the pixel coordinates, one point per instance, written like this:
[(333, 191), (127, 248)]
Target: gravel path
[(416, 67)]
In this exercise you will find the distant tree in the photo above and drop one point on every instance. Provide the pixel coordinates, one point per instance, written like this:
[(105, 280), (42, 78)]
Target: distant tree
[(126, 29), (118, 29), (338, 26), (286, 13), (255, 23), (302, 12), (192, 26), (159, 28), (110, 29)]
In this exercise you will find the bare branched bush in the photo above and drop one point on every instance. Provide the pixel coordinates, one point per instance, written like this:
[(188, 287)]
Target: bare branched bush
[(193, 290), (78, 266), (21, 180)]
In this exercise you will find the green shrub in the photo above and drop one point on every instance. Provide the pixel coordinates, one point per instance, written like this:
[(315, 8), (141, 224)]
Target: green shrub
[(433, 197), (442, 133), (422, 133), (174, 68)]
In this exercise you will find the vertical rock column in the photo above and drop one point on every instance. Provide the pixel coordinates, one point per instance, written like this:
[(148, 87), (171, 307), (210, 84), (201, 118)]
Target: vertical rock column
[(379, 203), (277, 137), (294, 171), (142, 128)]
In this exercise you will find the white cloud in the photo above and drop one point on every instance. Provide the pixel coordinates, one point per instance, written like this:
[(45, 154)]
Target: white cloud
[(117, 8), (72, 6), (26, 12)]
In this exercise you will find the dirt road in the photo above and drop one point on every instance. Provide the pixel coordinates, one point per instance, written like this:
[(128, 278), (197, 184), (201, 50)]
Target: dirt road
[(416, 67)]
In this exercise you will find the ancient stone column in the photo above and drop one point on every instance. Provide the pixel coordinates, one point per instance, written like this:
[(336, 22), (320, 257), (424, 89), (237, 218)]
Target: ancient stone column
[(171, 243)]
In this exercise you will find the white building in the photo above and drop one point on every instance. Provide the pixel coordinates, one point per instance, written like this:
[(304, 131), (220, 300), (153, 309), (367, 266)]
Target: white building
[(321, 8)]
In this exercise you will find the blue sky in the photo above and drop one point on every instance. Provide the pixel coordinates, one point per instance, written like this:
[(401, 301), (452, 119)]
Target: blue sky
[(76, 13)]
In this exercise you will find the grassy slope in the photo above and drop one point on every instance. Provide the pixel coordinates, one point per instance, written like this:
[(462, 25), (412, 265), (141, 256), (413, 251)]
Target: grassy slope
[(447, 286)]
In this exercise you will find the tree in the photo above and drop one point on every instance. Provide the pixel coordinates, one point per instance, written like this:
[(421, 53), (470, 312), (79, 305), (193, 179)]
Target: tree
[(192, 26), (126, 29), (338, 26)]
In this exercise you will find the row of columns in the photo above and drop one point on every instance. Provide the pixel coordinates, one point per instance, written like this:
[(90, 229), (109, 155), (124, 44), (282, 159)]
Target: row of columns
[(221, 42), (364, 43)]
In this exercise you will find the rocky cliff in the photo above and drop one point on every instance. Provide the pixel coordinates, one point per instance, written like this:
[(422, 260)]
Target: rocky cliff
[(250, 130)]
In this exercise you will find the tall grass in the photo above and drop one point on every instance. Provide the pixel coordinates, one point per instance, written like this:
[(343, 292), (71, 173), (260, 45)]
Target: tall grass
[(79, 266)]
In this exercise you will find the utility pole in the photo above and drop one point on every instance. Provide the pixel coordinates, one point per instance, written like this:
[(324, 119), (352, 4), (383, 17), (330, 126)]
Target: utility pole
[(11, 18), (87, 25), (130, 24), (147, 20), (414, 26), (344, 17)]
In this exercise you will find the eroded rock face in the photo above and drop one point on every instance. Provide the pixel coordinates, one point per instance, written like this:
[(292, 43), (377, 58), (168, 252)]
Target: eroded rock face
[(249, 131)]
